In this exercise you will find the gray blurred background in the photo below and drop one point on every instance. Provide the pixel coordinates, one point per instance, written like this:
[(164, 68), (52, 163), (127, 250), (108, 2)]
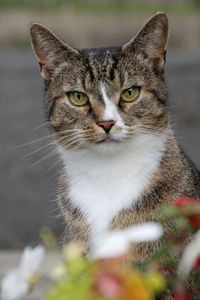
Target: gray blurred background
[(29, 167)]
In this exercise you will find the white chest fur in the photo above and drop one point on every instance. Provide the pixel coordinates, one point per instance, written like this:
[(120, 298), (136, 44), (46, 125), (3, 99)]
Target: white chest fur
[(102, 185)]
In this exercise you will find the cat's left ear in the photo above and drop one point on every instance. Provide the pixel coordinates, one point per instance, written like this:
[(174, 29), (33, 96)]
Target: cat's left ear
[(49, 49), (151, 40)]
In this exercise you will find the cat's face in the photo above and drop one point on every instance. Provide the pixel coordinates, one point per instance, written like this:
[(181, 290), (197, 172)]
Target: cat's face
[(103, 98)]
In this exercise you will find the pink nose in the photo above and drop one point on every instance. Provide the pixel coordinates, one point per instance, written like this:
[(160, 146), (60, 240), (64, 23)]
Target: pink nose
[(106, 125)]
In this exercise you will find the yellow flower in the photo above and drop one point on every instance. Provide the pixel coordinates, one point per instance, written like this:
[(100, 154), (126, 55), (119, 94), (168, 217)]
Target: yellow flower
[(73, 251), (135, 287), (156, 281)]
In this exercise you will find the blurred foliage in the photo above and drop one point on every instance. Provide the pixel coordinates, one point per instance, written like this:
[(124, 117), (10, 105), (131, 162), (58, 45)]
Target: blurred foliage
[(104, 280), (108, 6), (165, 273), (48, 238)]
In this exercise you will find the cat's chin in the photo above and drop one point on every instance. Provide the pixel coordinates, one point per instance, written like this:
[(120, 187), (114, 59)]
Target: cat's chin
[(108, 140), (108, 146)]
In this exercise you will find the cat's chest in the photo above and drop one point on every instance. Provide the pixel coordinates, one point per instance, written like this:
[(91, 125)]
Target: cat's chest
[(101, 196), (102, 187)]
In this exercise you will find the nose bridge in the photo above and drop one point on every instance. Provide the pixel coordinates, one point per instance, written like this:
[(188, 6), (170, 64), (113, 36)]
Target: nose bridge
[(98, 110), (98, 107), (101, 103), (107, 97)]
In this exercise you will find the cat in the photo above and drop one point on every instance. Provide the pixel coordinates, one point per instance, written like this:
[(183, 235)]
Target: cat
[(108, 110)]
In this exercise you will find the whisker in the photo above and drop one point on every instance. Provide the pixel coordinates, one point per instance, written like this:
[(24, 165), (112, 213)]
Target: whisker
[(75, 136), (72, 142), (52, 153), (71, 138), (83, 143), (143, 131), (89, 135), (149, 127), (54, 165), (145, 128), (43, 147), (43, 138), (38, 127), (68, 133), (37, 150)]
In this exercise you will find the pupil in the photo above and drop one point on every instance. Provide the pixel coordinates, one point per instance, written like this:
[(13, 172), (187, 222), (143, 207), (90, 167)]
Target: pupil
[(130, 92), (79, 96)]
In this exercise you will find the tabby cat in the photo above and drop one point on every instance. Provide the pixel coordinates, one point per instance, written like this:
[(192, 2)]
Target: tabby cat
[(109, 113)]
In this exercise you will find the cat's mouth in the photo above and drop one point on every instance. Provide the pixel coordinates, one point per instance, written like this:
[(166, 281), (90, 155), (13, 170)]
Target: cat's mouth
[(107, 140)]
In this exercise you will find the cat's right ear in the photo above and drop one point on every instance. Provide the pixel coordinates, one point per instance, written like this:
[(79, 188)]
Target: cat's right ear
[(49, 49)]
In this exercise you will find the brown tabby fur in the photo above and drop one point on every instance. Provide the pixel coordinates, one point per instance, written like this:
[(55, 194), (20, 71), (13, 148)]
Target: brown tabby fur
[(140, 62)]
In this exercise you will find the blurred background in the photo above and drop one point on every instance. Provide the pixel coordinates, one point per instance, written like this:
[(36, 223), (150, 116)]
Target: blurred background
[(29, 166)]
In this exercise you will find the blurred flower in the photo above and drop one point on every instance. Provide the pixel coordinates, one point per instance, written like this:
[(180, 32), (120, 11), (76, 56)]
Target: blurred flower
[(196, 264), (109, 285), (195, 221), (48, 239), (136, 287), (189, 256), (16, 284), (155, 281), (73, 250), (58, 272), (117, 243), (182, 295), (118, 281), (185, 201), (190, 208)]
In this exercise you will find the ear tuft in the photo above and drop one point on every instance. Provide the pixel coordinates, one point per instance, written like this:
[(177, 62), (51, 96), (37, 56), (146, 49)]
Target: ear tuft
[(152, 38), (49, 49)]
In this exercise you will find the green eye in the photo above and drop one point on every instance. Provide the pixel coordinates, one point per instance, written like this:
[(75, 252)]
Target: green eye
[(78, 98), (130, 94)]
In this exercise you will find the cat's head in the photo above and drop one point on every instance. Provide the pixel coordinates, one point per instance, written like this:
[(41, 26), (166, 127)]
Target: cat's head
[(103, 98)]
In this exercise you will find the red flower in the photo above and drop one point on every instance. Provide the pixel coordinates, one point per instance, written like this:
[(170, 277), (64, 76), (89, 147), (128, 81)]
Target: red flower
[(183, 295), (192, 210), (185, 201), (109, 285), (196, 264), (195, 221)]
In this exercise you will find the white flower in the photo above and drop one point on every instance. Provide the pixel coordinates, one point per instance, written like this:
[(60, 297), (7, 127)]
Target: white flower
[(189, 256), (15, 284), (117, 243)]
